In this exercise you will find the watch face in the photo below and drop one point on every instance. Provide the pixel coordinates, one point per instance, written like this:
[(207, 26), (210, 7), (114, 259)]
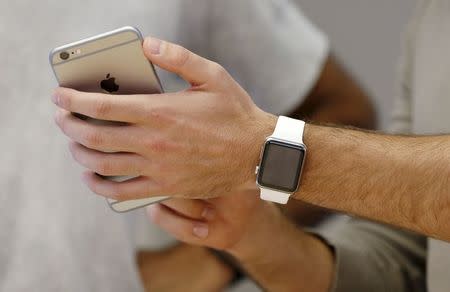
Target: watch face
[(281, 165)]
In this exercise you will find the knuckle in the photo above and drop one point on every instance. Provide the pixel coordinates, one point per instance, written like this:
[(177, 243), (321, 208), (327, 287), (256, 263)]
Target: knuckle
[(157, 145), (92, 139), (137, 168), (155, 113), (180, 56), (161, 168), (118, 196), (161, 116), (104, 167), (218, 71), (102, 108), (115, 192), (166, 186), (170, 188)]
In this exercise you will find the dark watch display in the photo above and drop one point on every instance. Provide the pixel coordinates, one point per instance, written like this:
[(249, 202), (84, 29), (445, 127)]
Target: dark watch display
[(281, 165)]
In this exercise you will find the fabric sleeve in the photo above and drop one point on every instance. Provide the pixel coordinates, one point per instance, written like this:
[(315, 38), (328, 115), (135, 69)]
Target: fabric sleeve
[(269, 47), (374, 257), (402, 121)]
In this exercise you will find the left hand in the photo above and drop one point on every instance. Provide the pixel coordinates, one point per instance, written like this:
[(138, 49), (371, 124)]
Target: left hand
[(230, 223), (198, 143), (255, 232)]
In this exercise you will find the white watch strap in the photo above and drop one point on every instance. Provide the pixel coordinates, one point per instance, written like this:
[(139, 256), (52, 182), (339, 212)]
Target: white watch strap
[(274, 196), (290, 130)]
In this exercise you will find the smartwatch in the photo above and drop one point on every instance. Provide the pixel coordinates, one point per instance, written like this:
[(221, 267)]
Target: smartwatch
[(282, 158)]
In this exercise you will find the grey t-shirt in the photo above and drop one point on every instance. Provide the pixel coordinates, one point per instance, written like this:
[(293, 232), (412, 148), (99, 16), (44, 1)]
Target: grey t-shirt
[(55, 235)]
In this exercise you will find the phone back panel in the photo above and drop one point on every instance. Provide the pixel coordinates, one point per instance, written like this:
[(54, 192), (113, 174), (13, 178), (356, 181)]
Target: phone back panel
[(118, 54), (113, 61)]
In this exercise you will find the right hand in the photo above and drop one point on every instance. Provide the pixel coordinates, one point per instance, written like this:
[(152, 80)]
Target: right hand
[(198, 143)]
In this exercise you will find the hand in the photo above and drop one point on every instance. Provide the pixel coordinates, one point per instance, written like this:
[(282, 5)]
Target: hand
[(171, 269), (255, 233), (197, 143), (229, 223)]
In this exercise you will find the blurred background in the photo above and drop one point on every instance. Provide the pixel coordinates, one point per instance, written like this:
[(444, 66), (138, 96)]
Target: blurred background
[(366, 35)]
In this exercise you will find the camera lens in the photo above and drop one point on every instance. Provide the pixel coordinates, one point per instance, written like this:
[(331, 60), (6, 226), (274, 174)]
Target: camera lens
[(64, 55)]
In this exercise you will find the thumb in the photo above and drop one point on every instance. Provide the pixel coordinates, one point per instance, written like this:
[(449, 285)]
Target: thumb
[(177, 59)]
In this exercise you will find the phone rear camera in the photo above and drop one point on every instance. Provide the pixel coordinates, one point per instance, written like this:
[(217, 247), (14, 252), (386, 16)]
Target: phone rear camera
[(64, 55)]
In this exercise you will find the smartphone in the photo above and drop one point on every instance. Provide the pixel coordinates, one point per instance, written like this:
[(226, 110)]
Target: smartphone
[(113, 63)]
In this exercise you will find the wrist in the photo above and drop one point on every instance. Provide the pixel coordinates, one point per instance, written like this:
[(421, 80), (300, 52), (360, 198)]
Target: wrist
[(256, 241), (262, 125), (316, 138), (276, 247), (214, 267)]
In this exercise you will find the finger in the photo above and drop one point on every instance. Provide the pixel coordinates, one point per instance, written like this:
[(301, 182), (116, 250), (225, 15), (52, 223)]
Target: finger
[(136, 188), (104, 138), (119, 108), (109, 164), (192, 209), (176, 59), (186, 230)]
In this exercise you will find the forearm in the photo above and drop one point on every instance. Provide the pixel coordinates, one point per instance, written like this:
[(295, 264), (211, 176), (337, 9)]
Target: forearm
[(402, 181), (339, 99), (280, 257)]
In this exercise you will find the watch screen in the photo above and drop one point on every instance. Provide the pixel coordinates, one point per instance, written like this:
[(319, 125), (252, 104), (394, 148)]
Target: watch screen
[(281, 166)]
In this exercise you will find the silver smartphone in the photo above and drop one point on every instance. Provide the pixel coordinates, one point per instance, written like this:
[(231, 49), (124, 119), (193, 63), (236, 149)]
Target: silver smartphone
[(113, 63)]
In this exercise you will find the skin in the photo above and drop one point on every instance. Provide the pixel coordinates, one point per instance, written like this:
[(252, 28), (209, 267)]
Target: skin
[(257, 234), (189, 150), (412, 190), (335, 98), (338, 99), (171, 269)]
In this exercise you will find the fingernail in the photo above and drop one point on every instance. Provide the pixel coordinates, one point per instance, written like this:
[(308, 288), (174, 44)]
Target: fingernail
[(201, 230), (209, 213), (153, 45)]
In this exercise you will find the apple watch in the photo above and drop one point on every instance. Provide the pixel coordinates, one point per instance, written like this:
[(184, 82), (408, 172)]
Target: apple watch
[(282, 158)]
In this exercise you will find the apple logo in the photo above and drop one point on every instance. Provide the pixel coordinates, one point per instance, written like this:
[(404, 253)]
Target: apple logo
[(109, 84)]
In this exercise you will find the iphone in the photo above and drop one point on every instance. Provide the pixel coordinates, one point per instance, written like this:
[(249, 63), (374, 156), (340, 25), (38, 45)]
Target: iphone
[(112, 63)]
